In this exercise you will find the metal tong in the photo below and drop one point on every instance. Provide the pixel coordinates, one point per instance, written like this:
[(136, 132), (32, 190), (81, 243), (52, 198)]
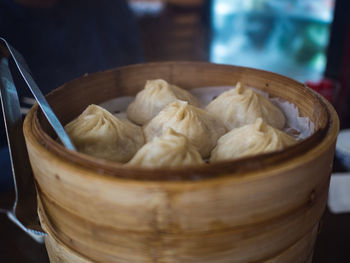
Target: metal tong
[(23, 211)]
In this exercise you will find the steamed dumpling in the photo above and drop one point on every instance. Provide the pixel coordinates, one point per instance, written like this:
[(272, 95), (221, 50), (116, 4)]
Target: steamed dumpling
[(200, 127), (153, 98), (98, 133), (240, 106), (250, 139), (172, 149)]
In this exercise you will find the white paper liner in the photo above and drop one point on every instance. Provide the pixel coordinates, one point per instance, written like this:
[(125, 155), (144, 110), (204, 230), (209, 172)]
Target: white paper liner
[(297, 126), (117, 106)]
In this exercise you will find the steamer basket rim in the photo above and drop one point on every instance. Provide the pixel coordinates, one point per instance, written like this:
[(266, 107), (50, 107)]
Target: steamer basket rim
[(190, 173)]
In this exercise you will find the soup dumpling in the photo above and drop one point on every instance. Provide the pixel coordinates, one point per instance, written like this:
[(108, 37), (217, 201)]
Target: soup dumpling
[(153, 98), (199, 126), (98, 133), (172, 149), (251, 139), (240, 106)]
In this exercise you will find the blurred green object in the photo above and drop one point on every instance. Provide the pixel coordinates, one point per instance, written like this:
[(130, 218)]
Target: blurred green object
[(314, 41)]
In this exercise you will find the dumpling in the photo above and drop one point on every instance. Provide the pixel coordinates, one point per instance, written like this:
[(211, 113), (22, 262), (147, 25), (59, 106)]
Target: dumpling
[(98, 133), (200, 127), (250, 139), (153, 98), (172, 149), (240, 106)]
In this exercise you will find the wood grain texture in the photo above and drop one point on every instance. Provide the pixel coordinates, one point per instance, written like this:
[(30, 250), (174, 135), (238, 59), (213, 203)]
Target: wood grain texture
[(57, 251), (248, 244), (250, 210), (61, 253)]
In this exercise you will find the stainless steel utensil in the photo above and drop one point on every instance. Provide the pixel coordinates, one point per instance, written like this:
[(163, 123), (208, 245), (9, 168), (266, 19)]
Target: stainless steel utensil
[(40, 98), (24, 208)]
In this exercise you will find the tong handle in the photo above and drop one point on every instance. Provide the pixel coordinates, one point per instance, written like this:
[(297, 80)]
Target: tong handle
[(23, 212)]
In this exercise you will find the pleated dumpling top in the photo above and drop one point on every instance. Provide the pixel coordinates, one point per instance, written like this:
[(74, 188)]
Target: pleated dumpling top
[(156, 95), (251, 139), (172, 149), (199, 126), (240, 106), (98, 133)]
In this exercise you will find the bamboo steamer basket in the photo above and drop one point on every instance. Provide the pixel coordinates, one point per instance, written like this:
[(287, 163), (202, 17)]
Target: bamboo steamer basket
[(257, 209), (59, 252)]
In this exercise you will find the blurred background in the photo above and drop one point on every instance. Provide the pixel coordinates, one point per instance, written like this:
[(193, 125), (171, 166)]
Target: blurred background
[(307, 40)]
